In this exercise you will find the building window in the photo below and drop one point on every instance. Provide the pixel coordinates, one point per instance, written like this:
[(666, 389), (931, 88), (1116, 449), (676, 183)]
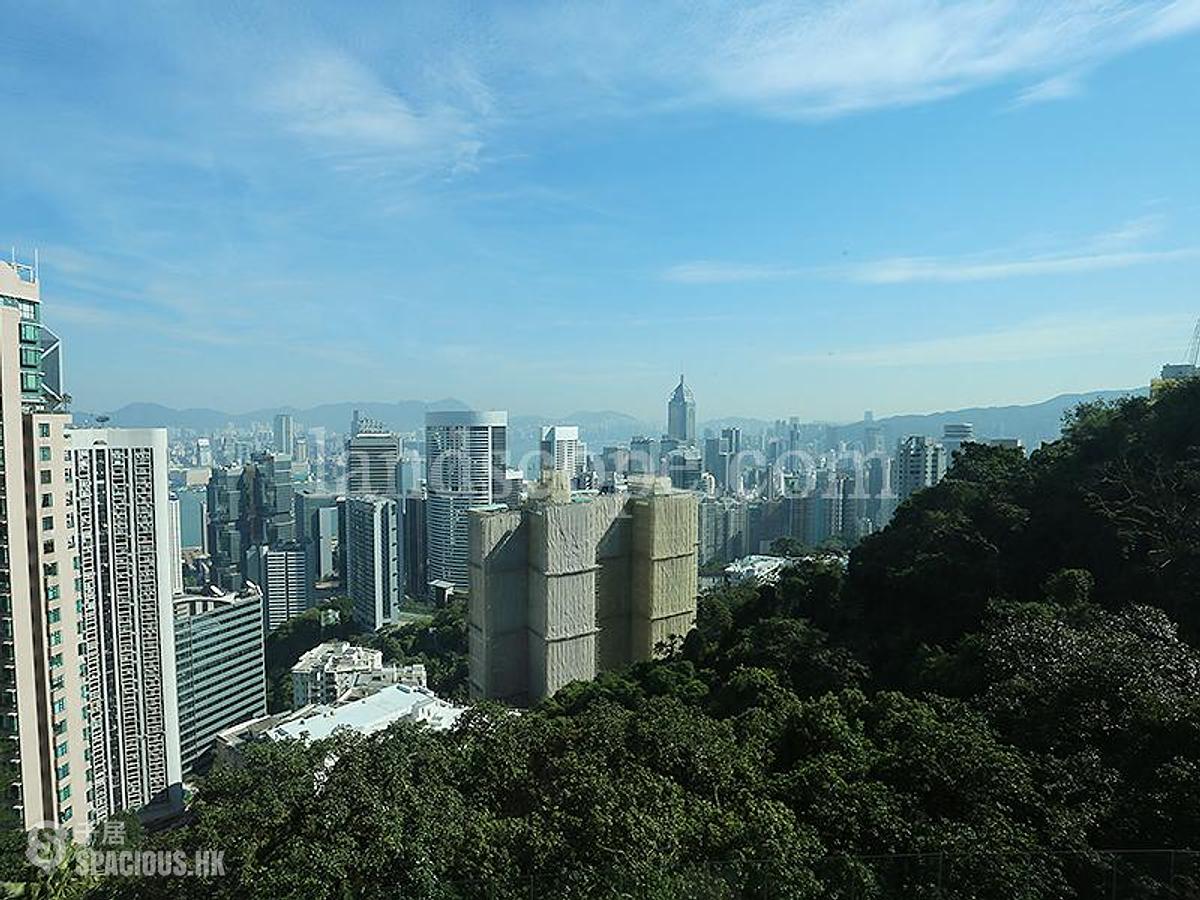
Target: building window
[(44, 476), (30, 333), (30, 381), (64, 793), (55, 616), (55, 638), (44, 454), (47, 523), (56, 661), (44, 429), (30, 357)]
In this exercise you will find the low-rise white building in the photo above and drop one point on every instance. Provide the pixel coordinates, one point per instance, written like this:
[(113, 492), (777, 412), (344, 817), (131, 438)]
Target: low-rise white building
[(329, 671), (375, 711)]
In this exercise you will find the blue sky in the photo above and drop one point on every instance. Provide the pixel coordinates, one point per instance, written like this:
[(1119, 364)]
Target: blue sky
[(814, 209)]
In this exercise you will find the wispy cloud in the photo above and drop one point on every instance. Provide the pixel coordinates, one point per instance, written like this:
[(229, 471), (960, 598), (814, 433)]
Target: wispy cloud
[(824, 59), (349, 113), (1117, 248), (1056, 87), (1041, 339), (902, 270)]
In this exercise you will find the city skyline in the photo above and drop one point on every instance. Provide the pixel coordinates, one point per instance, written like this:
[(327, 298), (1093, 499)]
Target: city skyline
[(812, 211)]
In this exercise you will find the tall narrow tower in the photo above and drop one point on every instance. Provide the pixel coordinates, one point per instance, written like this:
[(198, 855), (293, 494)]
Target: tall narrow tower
[(43, 758), (681, 414), (122, 511)]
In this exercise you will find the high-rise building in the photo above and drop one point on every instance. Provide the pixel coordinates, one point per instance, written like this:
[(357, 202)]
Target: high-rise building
[(561, 451), (409, 472), (466, 467), (416, 583), (204, 455), (193, 516), (954, 435), (371, 460), (43, 744), (681, 414), (283, 576), (284, 434), (317, 530), (268, 513), (122, 514), (176, 547), (920, 463), (722, 529), (684, 465), (219, 667), (374, 568), (226, 544), (645, 456), (561, 590)]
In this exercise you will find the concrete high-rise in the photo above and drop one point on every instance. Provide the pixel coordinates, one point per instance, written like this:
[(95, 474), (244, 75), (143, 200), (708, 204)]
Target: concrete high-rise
[(681, 414), (43, 727), (954, 435), (561, 590), (317, 530), (219, 666), (374, 570), (283, 575), (122, 518), (371, 461), (560, 450), (284, 434), (920, 463), (466, 459)]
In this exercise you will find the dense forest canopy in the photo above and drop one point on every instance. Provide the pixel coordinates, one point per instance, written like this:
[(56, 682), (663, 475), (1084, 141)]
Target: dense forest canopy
[(1002, 686)]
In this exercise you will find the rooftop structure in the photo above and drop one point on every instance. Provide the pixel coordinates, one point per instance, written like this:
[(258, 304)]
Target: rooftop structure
[(326, 672), (368, 714)]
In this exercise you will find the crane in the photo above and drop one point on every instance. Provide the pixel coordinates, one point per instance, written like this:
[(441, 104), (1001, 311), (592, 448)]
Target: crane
[(1193, 354)]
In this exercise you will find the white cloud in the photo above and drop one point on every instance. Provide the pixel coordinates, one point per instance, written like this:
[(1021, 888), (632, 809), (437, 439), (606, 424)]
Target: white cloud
[(351, 114), (1117, 248), (1056, 87), (1042, 339), (901, 270), (822, 59)]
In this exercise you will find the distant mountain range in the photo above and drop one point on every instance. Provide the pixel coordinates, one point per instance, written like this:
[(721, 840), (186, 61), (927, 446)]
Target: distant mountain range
[(1032, 423)]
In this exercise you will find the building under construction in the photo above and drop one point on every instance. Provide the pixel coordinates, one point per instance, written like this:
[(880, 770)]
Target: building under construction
[(565, 587)]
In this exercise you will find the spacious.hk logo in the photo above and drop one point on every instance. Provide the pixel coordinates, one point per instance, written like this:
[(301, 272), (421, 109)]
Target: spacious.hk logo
[(47, 846), (50, 848)]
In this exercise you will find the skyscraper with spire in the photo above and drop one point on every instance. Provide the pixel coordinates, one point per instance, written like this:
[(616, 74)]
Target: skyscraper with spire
[(681, 414)]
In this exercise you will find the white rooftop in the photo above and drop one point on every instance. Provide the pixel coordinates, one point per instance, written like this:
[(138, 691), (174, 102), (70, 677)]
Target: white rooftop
[(370, 714)]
